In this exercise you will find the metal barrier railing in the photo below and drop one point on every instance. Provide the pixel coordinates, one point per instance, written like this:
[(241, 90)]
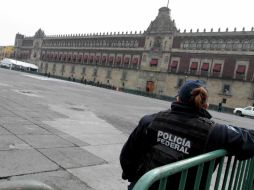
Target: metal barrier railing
[(24, 185), (230, 173)]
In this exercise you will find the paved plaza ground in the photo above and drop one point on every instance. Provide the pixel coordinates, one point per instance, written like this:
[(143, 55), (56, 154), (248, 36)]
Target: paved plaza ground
[(69, 135)]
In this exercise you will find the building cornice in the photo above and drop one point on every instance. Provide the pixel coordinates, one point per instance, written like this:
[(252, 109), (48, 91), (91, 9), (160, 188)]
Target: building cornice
[(247, 53)]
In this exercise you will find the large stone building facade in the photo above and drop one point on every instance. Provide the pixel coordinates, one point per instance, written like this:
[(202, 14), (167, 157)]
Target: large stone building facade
[(157, 60)]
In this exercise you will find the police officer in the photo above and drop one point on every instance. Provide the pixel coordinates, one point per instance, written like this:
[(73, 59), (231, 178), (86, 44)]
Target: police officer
[(184, 131)]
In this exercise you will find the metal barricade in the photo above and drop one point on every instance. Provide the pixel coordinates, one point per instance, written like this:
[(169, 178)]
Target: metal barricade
[(24, 185), (230, 174)]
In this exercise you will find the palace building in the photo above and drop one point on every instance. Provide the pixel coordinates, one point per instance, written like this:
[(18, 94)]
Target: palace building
[(157, 60)]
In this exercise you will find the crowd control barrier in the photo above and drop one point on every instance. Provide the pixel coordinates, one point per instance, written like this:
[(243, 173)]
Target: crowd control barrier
[(24, 185), (230, 173)]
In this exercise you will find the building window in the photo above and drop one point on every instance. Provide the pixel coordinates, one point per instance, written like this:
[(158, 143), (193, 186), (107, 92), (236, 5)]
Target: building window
[(166, 60), (252, 45), (173, 66), (64, 57), (193, 68), (80, 58), (252, 94), (216, 69), (97, 59), (104, 60), (229, 45), (246, 45), (206, 44), (144, 57), (118, 61), (56, 57), (69, 58), (226, 90), (214, 45), (91, 59), (186, 44), (240, 72), (41, 67), (46, 67), (111, 59), (134, 60), (179, 83), (73, 69), (83, 71), (199, 44), (224, 100), (154, 62), (193, 44), (85, 58), (124, 75), (126, 62), (109, 72), (60, 57), (95, 70), (134, 63), (63, 69), (74, 57), (204, 69), (54, 68)]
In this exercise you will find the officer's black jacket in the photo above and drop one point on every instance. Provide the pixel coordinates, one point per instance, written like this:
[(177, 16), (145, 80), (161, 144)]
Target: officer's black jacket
[(238, 141)]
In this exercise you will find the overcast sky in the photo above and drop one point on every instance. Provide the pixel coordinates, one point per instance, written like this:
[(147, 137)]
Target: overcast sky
[(92, 16)]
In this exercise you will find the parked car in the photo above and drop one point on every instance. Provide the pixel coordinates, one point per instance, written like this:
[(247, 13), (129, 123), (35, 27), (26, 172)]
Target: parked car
[(248, 111)]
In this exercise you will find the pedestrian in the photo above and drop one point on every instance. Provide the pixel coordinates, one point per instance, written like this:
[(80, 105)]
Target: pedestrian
[(82, 79), (220, 107), (184, 131)]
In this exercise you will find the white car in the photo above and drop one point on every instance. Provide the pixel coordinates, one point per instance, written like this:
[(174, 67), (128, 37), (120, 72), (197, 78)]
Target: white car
[(248, 111)]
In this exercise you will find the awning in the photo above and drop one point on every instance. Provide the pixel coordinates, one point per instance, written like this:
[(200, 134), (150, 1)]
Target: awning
[(154, 62), (98, 57), (134, 60), (12, 62), (111, 59), (241, 69), (118, 60), (80, 57), (217, 68), (104, 58), (194, 66), (174, 64), (205, 67), (126, 60)]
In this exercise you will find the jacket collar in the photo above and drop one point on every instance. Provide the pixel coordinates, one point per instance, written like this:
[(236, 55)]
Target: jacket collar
[(189, 110)]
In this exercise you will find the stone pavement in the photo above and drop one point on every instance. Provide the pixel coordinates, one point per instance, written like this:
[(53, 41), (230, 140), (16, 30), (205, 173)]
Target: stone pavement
[(62, 147), (69, 135), (84, 156), (73, 152)]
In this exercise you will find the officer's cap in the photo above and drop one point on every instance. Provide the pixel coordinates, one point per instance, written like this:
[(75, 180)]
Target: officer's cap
[(185, 90)]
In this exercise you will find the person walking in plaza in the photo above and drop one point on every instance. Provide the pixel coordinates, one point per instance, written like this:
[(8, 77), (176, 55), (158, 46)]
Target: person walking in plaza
[(220, 107), (184, 131)]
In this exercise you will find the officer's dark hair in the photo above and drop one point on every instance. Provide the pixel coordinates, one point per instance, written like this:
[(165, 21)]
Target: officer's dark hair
[(199, 97)]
